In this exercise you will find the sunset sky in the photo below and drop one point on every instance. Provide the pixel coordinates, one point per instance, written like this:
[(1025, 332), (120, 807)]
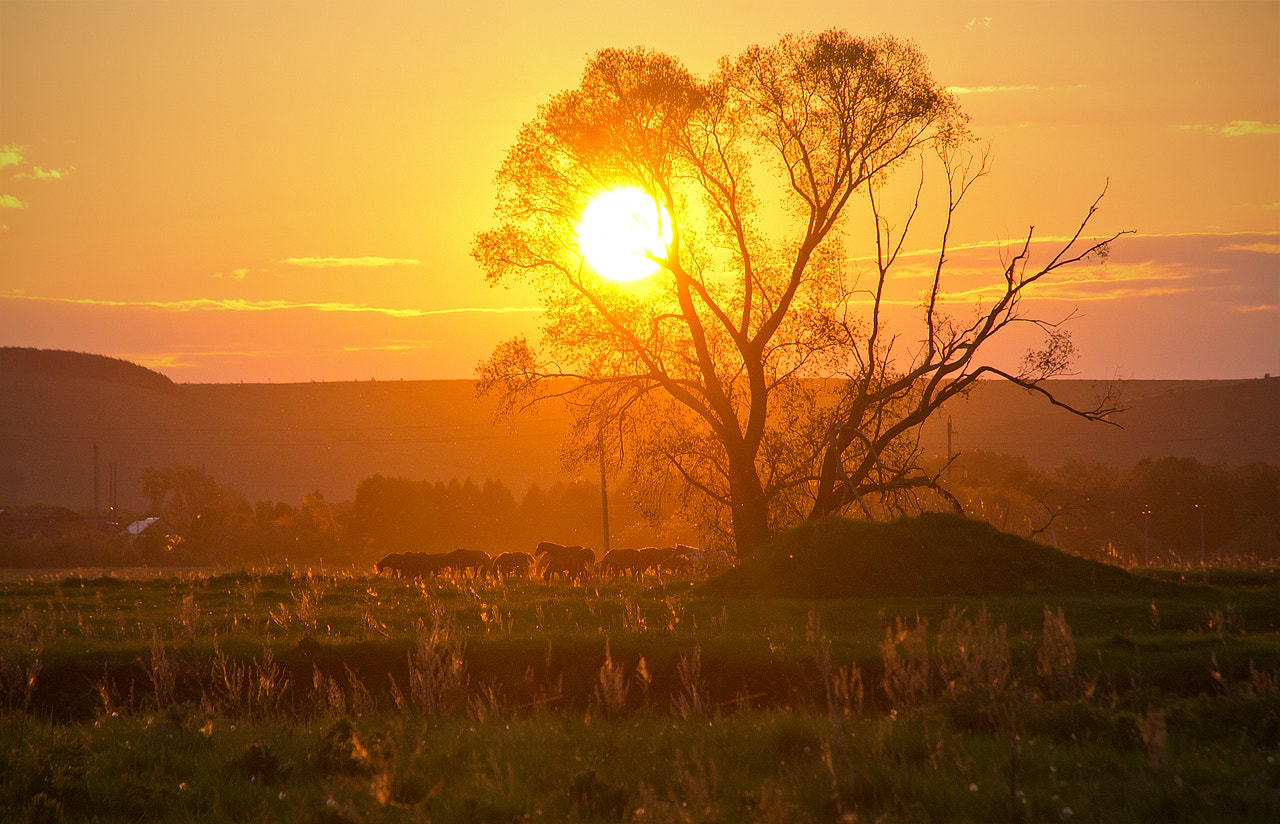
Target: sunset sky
[(287, 191)]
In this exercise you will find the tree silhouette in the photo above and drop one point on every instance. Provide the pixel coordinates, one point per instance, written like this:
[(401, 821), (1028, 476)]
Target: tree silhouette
[(750, 378), (182, 494)]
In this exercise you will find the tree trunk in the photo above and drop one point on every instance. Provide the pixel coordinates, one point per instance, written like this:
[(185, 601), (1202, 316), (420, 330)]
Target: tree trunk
[(829, 497), (750, 508)]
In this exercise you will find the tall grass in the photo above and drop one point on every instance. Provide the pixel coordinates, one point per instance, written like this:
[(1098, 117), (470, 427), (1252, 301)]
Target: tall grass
[(468, 701), (21, 648)]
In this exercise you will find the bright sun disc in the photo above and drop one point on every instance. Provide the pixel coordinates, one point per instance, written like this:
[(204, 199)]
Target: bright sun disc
[(619, 231)]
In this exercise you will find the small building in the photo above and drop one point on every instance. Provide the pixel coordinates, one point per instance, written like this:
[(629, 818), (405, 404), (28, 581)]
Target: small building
[(136, 528), (30, 523)]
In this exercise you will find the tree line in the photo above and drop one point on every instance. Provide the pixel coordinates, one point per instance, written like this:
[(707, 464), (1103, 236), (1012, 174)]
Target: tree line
[(201, 522), (1166, 512)]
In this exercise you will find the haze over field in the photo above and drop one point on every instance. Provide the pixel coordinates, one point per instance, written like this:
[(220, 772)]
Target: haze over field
[(284, 192)]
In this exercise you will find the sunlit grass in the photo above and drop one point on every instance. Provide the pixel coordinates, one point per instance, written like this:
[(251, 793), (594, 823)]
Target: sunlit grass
[(301, 696)]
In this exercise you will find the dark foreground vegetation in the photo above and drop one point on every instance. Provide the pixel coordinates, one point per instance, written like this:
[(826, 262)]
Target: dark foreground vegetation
[(290, 695)]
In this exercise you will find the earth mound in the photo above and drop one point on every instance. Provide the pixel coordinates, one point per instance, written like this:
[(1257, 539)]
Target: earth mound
[(931, 554)]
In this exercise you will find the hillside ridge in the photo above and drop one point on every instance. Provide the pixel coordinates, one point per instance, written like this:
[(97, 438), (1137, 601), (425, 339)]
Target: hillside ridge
[(281, 441)]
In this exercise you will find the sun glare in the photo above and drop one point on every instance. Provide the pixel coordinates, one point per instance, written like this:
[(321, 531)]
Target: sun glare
[(620, 233)]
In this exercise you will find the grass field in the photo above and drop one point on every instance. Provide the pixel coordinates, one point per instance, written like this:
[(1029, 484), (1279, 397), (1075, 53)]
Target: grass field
[(288, 695)]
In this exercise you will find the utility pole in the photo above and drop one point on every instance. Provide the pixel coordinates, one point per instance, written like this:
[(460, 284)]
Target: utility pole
[(1146, 536), (1200, 509)]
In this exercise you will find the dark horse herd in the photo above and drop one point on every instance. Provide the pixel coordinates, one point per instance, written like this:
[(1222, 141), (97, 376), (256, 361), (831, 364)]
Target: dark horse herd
[(549, 561)]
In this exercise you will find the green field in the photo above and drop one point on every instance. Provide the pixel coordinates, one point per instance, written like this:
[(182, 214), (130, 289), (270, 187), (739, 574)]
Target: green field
[(289, 695)]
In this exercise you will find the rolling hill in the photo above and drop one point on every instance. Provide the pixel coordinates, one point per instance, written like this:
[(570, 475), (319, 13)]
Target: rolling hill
[(281, 441)]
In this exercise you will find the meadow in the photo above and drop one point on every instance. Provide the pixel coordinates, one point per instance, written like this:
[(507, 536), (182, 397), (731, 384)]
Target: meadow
[(288, 694)]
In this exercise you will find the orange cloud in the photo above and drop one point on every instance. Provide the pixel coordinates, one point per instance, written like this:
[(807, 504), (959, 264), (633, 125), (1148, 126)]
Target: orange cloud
[(1264, 248), (237, 305), (1236, 128), (391, 346), (10, 156), (990, 89), (341, 262), (17, 156), (38, 173), (1140, 280)]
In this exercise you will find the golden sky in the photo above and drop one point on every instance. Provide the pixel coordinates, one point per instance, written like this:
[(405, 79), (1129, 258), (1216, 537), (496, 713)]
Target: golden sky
[(287, 191)]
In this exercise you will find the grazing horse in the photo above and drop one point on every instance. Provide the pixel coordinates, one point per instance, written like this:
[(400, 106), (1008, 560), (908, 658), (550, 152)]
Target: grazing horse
[(691, 557), (617, 561), (468, 560), (656, 559), (392, 562), (512, 563), (568, 562), (422, 564)]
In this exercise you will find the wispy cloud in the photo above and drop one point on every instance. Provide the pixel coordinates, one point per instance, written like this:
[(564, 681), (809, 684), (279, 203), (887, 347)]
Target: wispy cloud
[(391, 346), (11, 202), (1264, 248), (236, 305), (1269, 244), (182, 358), (1241, 128), (1012, 245), (1236, 128), (11, 156), (991, 89), (38, 173), (1119, 282), (348, 262), (16, 156), (1230, 267)]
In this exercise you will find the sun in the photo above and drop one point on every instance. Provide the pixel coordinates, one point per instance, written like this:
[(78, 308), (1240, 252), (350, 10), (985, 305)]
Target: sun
[(620, 233)]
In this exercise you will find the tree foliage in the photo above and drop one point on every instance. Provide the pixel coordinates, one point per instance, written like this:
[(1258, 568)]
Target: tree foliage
[(752, 378), (182, 494), (1149, 512)]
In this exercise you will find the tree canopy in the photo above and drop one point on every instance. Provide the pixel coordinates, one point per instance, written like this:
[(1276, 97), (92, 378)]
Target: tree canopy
[(752, 377)]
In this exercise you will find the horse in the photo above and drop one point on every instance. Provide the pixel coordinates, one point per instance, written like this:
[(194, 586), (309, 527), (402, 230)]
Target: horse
[(617, 561), (568, 562), (392, 562), (468, 560), (512, 563), (422, 564)]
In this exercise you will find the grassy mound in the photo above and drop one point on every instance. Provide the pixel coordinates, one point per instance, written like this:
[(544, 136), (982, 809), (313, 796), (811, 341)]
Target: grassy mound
[(932, 554)]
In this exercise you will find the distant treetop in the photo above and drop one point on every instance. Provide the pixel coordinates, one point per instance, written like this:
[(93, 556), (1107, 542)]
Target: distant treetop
[(15, 360)]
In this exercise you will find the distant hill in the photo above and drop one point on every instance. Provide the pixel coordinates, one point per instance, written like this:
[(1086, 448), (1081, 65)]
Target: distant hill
[(280, 441), (273, 442), (1217, 422), (16, 360)]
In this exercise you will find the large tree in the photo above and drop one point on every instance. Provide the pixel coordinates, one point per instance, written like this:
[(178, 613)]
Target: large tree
[(752, 376)]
